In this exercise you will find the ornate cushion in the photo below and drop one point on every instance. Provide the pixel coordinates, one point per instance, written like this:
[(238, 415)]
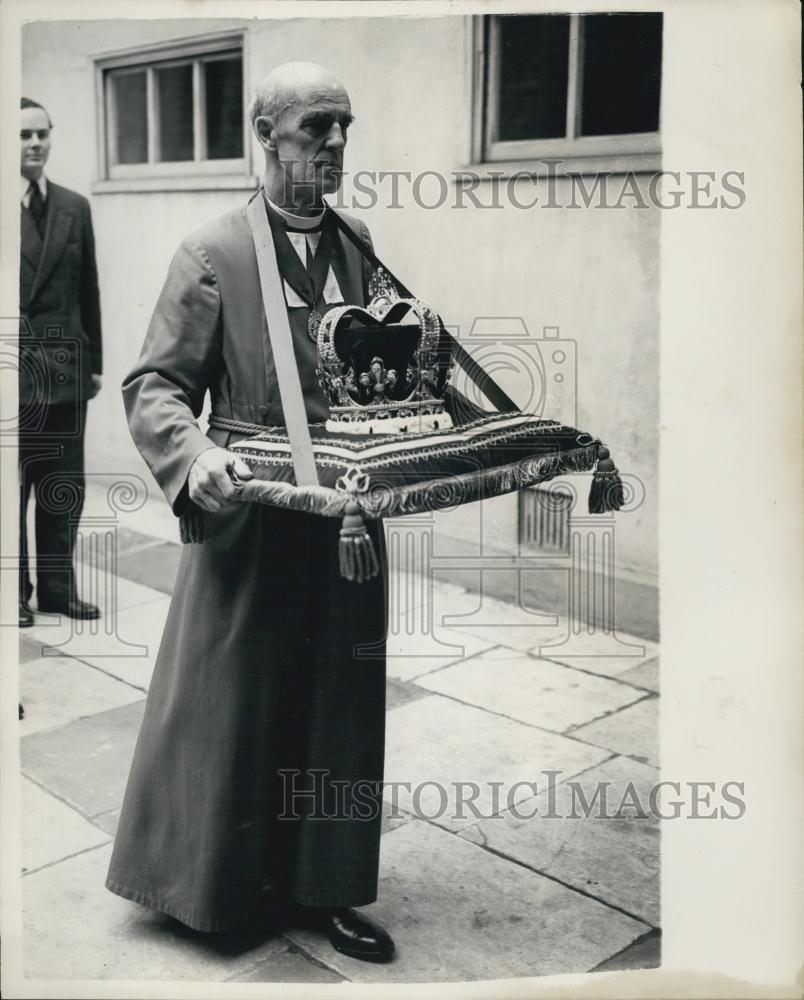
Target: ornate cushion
[(389, 474)]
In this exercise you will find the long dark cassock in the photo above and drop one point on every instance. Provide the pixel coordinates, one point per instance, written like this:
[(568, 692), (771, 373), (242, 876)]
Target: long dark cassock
[(270, 678)]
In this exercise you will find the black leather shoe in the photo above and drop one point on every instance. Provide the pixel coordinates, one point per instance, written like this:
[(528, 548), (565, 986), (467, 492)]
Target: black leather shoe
[(357, 936), (26, 615), (73, 608)]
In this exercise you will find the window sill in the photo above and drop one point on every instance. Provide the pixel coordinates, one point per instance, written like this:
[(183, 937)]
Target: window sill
[(145, 185), (563, 166)]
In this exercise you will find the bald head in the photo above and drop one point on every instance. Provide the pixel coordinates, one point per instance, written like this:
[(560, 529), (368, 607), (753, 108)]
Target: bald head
[(288, 85), (301, 114)]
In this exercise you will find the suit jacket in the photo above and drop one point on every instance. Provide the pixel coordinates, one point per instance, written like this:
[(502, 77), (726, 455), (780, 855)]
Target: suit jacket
[(60, 328), (209, 332)]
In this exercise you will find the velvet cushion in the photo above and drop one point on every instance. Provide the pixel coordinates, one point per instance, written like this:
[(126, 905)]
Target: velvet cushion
[(394, 474)]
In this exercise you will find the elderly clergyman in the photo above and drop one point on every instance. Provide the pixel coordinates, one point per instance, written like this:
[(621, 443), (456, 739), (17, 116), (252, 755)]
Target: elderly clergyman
[(256, 781)]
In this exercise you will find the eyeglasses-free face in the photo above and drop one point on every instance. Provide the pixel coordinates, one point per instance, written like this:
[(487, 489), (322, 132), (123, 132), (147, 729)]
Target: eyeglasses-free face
[(34, 142)]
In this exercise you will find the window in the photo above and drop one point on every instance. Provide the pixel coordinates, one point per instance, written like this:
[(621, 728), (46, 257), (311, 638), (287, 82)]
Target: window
[(173, 111), (571, 86)]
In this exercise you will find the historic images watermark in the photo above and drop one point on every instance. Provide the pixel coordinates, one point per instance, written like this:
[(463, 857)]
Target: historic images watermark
[(546, 184), (318, 795)]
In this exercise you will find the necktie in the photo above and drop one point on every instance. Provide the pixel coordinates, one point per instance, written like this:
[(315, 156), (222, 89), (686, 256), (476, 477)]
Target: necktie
[(37, 208)]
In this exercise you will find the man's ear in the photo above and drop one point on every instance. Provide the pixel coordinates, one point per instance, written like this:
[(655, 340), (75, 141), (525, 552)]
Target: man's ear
[(264, 129)]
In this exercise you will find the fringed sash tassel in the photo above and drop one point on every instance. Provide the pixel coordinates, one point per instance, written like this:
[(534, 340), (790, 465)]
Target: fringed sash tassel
[(358, 560), (193, 525), (606, 493)]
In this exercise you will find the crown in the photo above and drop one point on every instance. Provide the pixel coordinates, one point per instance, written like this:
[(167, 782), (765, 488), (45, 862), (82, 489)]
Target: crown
[(384, 368)]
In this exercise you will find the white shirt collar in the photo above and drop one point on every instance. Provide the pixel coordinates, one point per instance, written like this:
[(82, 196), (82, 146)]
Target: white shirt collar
[(25, 184), (297, 221)]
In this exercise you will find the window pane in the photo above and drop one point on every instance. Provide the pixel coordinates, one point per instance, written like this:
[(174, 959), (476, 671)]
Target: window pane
[(622, 73), (533, 57), (131, 129), (175, 102), (224, 110)]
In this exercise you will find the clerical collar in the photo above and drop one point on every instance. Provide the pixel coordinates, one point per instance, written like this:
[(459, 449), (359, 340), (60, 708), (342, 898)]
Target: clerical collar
[(298, 222)]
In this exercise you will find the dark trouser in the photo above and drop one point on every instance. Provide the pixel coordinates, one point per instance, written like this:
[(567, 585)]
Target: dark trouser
[(51, 462)]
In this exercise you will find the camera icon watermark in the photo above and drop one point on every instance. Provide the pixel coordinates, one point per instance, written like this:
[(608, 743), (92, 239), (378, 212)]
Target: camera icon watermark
[(46, 368), (542, 529)]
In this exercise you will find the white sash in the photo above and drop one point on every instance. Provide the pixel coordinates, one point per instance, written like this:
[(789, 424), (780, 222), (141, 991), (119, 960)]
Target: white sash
[(281, 346)]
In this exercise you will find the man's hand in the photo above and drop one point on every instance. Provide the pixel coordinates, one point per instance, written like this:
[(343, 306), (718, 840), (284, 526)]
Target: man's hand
[(97, 382), (209, 482)]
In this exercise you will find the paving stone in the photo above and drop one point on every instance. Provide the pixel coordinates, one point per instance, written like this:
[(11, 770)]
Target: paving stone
[(408, 590), (500, 623), (399, 693), (29, 649), (457, 912), (129, 654), (153, 519), (147, 623), (645, 676), (107, 821), (58, 689), (392, 817), (85, 763), (123, 645), (155, 566), (289, 966), (110, 593), (437, 740), (633, 731), (615, 859), (410, 656), (535, 691), (132, 594), (609, 654), (128, 539), (644, 954), (51, 830), (75, 929)]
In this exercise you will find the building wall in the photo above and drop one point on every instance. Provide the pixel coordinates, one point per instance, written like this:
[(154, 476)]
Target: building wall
[(591, 272)]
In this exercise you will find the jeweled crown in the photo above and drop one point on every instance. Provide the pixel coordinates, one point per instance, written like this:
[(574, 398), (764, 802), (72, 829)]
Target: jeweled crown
[(384, 368)]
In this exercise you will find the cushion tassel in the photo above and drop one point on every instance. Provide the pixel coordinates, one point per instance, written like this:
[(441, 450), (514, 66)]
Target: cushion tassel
[(606, 493), (192, 525), (358, 559)]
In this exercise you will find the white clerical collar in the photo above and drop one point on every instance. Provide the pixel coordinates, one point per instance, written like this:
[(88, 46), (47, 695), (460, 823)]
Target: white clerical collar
[(25, 185), (297, 221)]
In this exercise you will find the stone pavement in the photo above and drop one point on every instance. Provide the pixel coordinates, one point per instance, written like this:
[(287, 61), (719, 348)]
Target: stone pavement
[(475, 882)]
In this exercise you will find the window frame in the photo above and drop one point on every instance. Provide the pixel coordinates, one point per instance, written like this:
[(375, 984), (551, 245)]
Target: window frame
[(633, 152), (177, 174)]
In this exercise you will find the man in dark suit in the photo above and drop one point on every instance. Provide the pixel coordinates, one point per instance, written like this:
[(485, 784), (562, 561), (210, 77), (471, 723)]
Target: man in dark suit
[(256, 780), (60, 368)]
